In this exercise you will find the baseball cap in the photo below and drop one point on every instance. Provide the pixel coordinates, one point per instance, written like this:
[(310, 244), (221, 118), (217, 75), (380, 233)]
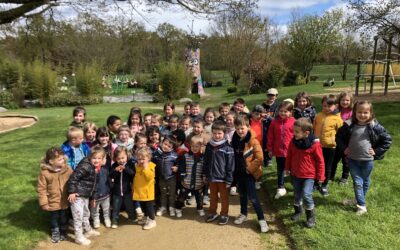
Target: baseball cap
[(272, 91)]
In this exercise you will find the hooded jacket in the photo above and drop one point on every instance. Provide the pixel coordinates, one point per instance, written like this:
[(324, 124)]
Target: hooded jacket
[(143, 184), (69, 152), (83, 180), (309, 113), (280, 133), (326, 126), (164, 162), (219, 163), (52, 186), (122, 181)]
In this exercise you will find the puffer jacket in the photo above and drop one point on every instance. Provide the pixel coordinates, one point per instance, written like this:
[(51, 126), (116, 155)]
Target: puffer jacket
[(379, 138), (280, 133), (69, 152), (219, 163), (248, 155), (164, 162), (83, 180), (122, 181), (326, 126), (191, 170), (309, 112), (104, 184), (52, 186), (143, 184)]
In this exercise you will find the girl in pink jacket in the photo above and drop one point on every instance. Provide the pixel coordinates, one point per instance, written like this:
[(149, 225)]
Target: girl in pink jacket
[(280, 133)]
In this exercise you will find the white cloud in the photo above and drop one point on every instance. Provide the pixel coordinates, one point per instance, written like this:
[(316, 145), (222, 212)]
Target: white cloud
[(289, 4)]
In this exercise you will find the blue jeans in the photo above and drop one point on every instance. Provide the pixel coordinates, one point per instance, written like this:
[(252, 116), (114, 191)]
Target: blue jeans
[(360, 172), (117, 202), (303, 189), (58, 220), (247, 189), (280, 167)]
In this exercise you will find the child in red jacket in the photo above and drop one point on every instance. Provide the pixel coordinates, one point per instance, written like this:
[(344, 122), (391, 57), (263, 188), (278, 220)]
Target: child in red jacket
[(280, 133), (305, 162)]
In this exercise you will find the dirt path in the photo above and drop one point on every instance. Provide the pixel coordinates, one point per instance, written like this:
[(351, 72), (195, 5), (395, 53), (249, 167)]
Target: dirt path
[(188, 232)]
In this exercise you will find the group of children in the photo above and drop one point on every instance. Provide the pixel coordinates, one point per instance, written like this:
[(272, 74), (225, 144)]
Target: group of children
[(164, 162)]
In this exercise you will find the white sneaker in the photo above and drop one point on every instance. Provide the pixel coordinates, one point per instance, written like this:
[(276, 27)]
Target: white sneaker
[(107, 223), (349, 202), (234, 191), (82, 241), (142, 221), (149, 224), (161, 211), (258, 185), (201, 212), (280, 193), (263, 226), (172, 212), (206, 200), (361, 210), (96, 224), (178, 213), (92, 233), (240, 219)]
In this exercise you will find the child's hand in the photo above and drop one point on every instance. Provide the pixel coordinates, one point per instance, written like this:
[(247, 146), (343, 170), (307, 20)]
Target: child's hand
[(320, 181), (346, 151), (93, 203), (205, 180), (72, 197), (228, 185), (174, 169), (45, 208), (270, 154), (371, 151), (287, 172)]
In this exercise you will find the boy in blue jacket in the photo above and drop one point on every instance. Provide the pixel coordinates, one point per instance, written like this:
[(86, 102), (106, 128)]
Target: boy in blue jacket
[(74, 147)]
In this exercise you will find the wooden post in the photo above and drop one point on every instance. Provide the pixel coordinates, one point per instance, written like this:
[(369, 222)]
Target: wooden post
[(371, 89), (388, 59), (358, 75)]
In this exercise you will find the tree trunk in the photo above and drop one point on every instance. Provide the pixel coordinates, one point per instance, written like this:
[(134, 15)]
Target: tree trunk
[(235, 78), (344, 71)]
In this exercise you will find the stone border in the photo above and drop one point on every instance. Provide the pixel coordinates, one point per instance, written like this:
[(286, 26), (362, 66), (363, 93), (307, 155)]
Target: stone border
[(35, 118)]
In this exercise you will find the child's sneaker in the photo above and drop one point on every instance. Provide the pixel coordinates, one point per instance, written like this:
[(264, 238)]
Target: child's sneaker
[(258, 185), (240, 219), (55, 235), (211, 217), (82, 241), (361, 210), (142, 221), (201, 212), (324, 191), (263, 226), (172, 212), (161, 211), (280, 192), (178, 213), (139, 213), (114, 224), (63, 235), (269, 163), (96, 224), (343, 181), (223, 220), (149, 224), (206, 200), (91, 233), (233, 191), (107, 223)]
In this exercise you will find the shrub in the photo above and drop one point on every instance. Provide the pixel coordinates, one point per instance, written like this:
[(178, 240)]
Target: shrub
[(314, 78), (218, 84), (10, 72), (150, 86), (88, 79), (7, 100), (274, 76), (69, 99), (232, 89), (174, 78), (159, 98), (294, 78)]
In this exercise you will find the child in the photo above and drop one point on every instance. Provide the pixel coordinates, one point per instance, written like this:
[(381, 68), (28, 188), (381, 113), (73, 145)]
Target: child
[(52, 191), (180, 138), (218, 170), (209, 118), (256, 122), (122, 173), (326, 124), (186, 124), (169, 110), (270, 104), (74, 148), (305, 163), (186, 108), (113, 124), (153, 137), (81, 188), (135, 120), (89, 129), (280, 133), (239, 107), (223, 111), (124, 137), (157, 120), (230, 126), (147, 120), (303, 107), (165, 159), (103, 138), (363, 140), (248, 162), (191, 172), (198, 129), (79, 114), (173, 122), (345, 100), (143, 186), (195, 111)]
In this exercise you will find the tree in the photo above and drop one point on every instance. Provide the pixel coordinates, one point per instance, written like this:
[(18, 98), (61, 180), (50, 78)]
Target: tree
[(28, 8), (309, 36)]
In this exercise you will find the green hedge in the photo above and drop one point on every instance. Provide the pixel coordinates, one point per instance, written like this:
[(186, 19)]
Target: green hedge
[(68, 99)]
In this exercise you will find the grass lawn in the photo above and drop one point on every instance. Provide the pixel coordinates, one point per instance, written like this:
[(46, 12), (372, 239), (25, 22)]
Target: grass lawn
[(23, 224)]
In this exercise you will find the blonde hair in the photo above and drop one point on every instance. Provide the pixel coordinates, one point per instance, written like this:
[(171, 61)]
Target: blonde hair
[(124, 128), (97, 150), (304, 124), (157, 117), (143, 152), (196, 140), (89, 125), (74, 132), (344, 94)]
